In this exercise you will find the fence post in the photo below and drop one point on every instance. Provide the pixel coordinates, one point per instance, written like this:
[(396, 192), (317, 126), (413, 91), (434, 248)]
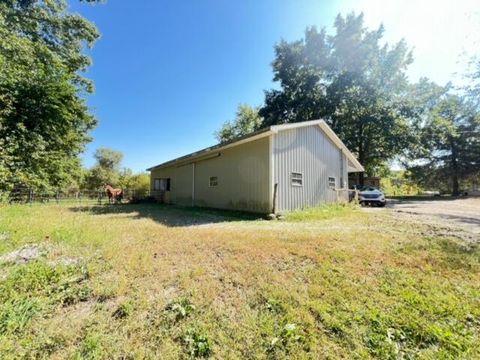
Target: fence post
[(57, 197), (274, 200), (30, 196)]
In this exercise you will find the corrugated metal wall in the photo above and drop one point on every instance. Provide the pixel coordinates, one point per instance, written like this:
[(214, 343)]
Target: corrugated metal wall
[(308, 151), (181, 185), (243, 179)]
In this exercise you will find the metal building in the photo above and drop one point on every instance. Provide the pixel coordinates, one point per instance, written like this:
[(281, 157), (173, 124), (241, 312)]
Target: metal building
[(279, 168)]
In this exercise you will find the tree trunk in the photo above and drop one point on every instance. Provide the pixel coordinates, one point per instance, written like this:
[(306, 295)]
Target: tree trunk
[(455, 182), (455, 185), (361, 154)]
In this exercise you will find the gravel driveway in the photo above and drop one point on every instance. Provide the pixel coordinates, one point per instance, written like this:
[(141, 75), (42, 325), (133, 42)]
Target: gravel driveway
[(462, 214)]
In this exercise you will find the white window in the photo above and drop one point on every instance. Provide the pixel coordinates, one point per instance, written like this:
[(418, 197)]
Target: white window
[(213, 181), (297, 179), (332, 182)]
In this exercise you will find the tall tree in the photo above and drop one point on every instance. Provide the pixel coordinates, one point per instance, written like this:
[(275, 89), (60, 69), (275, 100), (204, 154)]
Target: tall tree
[(246, 121), (44, 119), (449, 150), (349, 79), (107, 169), (473, 86)]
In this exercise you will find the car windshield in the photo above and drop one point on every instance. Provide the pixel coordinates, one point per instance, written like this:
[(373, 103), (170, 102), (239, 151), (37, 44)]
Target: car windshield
[(368, 188)]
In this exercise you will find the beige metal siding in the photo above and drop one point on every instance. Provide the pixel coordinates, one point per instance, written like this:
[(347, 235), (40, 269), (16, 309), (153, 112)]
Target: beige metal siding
[(181, 185), (243, 179), (308, 151)]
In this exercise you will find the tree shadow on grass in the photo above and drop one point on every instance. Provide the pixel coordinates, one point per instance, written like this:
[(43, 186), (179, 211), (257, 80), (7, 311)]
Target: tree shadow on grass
[(169, 215), (461, 219), (425, 198)]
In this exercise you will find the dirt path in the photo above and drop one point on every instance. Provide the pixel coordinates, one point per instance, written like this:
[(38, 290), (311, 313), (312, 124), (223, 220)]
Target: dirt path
[(462, 214)]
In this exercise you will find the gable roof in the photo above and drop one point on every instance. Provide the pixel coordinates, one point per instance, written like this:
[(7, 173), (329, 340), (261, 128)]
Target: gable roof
[(353, 164)]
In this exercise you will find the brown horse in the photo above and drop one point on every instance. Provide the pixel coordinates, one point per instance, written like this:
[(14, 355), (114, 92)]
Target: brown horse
[(115, 195)]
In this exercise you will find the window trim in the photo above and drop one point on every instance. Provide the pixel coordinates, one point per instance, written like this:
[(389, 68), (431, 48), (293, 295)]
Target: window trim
[(330, 183), (155, 182), (160, 181), (294, 180), (210, 181)]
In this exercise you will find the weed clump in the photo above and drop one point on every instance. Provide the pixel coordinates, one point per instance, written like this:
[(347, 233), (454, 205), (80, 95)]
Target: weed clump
[(37, 288), (290, 336), (123, 310), (15, 314), (274, 306), (196, 343), (179, 309)]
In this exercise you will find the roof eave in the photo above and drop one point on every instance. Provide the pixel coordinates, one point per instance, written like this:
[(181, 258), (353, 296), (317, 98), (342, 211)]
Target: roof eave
[(357, 167), (205, 152)]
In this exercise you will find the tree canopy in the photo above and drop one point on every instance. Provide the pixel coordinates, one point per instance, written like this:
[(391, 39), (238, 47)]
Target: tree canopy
[(246, 121), (448, 149), (108, 170), (349, 79), (44, 119)]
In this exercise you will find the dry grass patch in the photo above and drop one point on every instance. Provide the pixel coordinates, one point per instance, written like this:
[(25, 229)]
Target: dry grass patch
[(157, 281)]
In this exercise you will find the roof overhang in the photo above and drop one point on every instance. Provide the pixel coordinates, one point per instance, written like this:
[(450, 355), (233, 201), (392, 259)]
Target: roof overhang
[(208, 152), (353, 164)]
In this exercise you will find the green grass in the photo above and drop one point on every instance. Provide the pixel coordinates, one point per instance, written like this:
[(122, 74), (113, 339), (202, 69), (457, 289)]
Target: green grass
[(151, 281), (322, 212)]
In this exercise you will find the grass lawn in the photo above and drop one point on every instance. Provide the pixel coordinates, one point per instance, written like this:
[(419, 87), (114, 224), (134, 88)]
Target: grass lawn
[(152, 281)]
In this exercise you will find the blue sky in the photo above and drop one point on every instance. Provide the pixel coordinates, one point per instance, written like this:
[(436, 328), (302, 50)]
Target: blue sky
[(169, 73)]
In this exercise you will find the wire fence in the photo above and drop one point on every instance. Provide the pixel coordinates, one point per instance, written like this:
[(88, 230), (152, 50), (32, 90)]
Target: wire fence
[(30, 196)]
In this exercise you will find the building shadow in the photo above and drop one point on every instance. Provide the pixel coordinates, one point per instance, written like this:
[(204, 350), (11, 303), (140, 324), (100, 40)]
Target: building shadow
[(168, 215)]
